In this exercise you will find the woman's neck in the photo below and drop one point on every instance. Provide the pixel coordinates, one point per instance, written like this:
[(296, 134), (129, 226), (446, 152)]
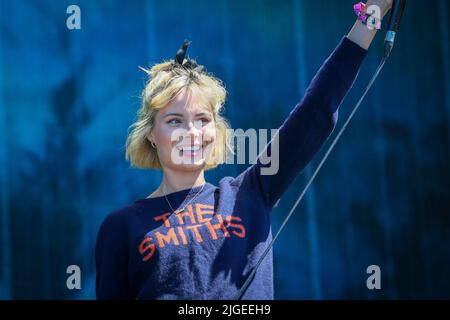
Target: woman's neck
[(173, 182)]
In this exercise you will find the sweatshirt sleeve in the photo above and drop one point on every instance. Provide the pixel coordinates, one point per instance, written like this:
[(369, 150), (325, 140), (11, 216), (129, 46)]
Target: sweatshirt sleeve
[(308, 125), (111, 258)]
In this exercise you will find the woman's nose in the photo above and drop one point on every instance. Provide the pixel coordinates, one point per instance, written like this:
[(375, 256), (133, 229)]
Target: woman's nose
[(194, 128), (195, 134)]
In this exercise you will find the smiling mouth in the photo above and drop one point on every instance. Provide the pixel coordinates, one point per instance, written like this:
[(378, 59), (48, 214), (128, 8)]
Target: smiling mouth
[(190, 151)]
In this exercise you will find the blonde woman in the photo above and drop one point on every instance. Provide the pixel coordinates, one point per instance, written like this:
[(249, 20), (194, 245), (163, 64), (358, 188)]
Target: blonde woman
[(190, 239)]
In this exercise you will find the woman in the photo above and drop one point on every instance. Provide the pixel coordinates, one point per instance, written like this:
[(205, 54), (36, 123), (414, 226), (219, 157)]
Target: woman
[(190, 239)]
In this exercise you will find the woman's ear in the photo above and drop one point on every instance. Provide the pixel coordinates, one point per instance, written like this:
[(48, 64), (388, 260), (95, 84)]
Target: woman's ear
[(151, 139), (149, 134)]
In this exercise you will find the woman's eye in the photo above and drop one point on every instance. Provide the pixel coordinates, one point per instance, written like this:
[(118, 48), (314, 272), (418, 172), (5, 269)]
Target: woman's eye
[(205, 120), (174, 121)]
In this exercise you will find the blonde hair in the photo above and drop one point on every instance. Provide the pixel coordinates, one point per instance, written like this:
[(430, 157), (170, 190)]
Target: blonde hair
[(166, 81)]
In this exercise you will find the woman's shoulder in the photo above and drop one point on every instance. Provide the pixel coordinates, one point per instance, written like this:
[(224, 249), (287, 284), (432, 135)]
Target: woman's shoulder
[(118, 218), (113, 233)]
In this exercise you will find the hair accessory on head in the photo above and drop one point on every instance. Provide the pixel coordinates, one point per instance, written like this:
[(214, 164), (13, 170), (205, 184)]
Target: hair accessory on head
[(182, 52), (189, 64)]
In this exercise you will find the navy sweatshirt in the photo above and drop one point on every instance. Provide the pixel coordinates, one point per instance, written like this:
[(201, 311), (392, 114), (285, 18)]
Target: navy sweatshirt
[(144, 251)]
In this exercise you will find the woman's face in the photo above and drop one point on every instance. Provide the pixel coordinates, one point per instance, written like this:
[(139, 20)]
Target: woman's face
[(184, 133)]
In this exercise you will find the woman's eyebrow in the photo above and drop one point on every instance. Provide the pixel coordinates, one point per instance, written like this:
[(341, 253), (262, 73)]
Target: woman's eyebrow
[(181, 115), (203, 114), (172, 114)]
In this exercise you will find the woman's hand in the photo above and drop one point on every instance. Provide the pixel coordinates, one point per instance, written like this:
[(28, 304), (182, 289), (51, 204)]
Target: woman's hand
[(384, 5)]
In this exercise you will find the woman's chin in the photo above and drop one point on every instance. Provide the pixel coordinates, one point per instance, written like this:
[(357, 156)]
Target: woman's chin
[(190, 167)]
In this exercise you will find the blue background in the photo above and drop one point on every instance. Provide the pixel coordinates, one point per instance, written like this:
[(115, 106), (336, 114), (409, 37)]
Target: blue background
[(68, 97)]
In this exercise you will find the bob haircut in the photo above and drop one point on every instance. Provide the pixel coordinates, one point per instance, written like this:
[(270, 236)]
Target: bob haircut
[(166, 81)]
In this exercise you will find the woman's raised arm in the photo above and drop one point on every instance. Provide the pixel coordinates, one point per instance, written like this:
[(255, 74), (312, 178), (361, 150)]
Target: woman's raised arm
[(312, 120)]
